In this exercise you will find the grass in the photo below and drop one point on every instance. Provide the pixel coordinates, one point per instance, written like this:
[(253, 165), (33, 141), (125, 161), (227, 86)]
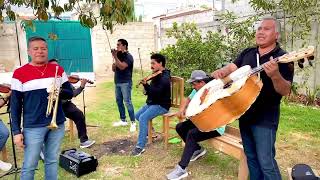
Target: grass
[(298, 141)]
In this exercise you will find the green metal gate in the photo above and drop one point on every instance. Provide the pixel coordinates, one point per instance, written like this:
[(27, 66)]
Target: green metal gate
[(72, 48)]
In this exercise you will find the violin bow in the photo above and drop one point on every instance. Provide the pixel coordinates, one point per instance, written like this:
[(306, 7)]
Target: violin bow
[(140, 63), (113, 60), (69, 68)]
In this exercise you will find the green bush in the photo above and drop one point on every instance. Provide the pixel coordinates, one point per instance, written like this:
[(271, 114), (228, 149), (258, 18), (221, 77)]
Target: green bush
[(193, 51)]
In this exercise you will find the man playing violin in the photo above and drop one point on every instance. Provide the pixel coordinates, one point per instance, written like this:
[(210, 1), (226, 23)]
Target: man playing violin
[(189, 133), (122, 68), (29, 99), (4, 132), (158, 100), (259, 124), (75, 114)]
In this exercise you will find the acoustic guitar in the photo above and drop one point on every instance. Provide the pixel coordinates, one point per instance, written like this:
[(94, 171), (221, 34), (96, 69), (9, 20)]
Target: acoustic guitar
[(222, 101)]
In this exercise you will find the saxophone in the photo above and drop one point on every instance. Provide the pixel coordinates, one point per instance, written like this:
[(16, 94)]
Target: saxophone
[(53, 99)]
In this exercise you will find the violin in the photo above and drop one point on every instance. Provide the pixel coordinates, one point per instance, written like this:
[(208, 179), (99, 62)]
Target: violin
[(4, 88), (75, 78), (148, 78)]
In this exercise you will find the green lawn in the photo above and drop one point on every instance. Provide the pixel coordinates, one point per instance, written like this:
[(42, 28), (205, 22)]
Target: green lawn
[(298, 141)]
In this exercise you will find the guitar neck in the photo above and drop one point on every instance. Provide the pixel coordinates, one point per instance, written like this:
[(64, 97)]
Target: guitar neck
[(259, 69)]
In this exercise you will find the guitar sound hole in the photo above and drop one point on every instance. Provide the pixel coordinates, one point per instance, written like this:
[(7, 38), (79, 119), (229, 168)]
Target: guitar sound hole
[(227, 85)]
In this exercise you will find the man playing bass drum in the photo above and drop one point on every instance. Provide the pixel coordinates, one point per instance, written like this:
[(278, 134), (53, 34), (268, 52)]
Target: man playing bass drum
[(158, 100), (258, 126)]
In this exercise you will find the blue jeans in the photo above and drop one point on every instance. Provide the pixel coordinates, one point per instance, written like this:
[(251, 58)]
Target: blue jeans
[(145, 114), (258, 143), (4, 134), (123, 93), (34, 139)]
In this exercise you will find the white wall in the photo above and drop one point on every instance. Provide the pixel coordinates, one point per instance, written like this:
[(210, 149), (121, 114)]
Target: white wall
[(9, 50), (138, 34)]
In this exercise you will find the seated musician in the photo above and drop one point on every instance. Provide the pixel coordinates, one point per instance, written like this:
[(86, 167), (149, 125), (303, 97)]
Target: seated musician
[(158, 100), (4, 132), (75, 114), (189, 133)]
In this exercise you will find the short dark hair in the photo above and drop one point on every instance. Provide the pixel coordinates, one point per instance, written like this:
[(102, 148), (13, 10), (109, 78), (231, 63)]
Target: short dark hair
[(124, 42), (36, 38), (53, 60), (159, 58)]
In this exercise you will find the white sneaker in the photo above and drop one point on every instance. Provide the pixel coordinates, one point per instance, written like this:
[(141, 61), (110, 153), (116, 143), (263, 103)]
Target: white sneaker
[(41, 155), (5, 166), (120, 123), (133, 127)]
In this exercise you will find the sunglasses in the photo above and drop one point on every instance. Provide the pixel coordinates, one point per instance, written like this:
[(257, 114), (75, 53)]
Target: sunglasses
[(195, 82)]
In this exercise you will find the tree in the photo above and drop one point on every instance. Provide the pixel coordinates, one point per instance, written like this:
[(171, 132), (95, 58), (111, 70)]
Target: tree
[(195, 51), (298, 16), (111, 11)]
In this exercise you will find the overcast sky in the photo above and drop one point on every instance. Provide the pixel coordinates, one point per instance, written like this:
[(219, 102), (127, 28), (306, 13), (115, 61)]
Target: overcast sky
[(151, 8)]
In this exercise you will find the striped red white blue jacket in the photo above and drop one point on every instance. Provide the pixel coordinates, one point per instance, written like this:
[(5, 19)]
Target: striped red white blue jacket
[(29, 97)]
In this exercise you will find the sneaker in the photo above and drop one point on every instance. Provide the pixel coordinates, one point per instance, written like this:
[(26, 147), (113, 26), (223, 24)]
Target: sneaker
[(198, 153), (137, 151), (87, 144), (177, 173), (120, 123), (133, 127), (5, 166)]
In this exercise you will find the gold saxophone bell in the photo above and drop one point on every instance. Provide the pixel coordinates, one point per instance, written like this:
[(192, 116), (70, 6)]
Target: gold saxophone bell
[(53, 99)]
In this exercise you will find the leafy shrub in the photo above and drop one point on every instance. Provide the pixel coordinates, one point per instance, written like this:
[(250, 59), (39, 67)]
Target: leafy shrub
[(193, 51)]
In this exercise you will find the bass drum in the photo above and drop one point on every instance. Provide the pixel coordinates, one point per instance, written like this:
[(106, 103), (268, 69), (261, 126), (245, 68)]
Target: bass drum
[(222, 106)]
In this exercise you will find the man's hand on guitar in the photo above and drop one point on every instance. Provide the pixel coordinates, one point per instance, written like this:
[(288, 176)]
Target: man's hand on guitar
[(181, 113), (219, 74), (271, 68)]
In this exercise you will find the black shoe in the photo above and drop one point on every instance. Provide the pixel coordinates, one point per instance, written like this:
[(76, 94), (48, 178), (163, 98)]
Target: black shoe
[(137, 151)]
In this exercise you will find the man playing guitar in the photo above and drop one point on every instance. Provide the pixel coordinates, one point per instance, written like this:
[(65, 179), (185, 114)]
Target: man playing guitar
[(259, 124)]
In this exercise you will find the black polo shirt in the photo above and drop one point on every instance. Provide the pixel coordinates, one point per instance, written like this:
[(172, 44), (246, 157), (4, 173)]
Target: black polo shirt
[(266, 109), (125, 75)]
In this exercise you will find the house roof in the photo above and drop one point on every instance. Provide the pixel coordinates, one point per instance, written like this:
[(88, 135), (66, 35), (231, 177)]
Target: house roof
[(181, 14)]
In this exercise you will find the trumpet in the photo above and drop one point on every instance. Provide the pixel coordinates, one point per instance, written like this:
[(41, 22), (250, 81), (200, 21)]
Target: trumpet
[(53, 99)]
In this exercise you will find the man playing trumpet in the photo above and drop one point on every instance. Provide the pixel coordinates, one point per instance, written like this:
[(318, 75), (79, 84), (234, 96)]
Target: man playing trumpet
[(29, 95)]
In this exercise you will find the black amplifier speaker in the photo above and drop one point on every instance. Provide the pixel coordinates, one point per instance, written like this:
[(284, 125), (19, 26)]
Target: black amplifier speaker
[(77, 162)]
